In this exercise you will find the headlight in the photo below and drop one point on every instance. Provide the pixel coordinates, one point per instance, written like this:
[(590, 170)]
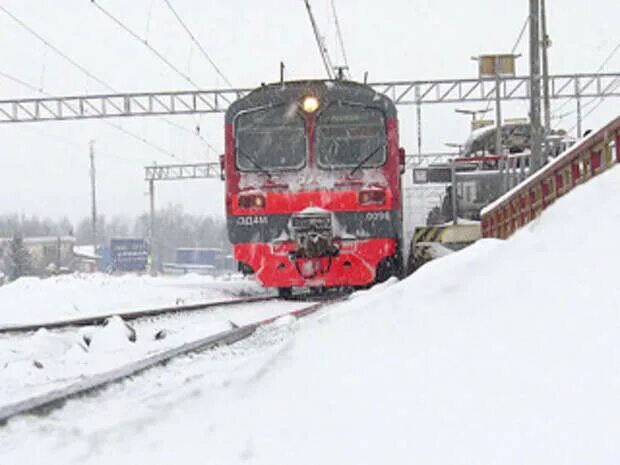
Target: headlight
[(310, 104)]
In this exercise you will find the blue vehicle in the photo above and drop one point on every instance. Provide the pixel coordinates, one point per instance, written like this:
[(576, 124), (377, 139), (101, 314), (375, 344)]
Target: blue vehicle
[(128, 254), (202, 260)]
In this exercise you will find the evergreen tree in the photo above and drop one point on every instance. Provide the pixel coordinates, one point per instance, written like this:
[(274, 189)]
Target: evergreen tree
[(19, 262)]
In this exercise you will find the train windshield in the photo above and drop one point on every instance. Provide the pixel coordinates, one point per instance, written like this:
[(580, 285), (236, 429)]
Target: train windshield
[(350, 136), (270, 139)]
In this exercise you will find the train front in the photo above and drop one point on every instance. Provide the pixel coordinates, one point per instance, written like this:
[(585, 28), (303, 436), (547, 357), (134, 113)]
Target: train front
[(313, 188)]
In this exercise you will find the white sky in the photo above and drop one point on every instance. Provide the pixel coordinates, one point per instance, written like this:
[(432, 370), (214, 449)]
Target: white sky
[(45, 165)]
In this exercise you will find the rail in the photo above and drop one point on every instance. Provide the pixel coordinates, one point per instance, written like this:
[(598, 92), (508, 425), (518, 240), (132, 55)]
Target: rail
[(128, 315), (56, 398), (575, 166)]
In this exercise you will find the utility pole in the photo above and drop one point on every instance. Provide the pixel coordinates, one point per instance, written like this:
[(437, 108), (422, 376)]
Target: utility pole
[(418, 114), (578, 94), (546, 43), (536, 133), (152, 244), (93, 193), (498, 109)]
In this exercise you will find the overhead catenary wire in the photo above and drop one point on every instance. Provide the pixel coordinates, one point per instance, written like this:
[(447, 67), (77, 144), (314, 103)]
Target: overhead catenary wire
[(161, 57), (146, 43), (55, 49), (613, 86), (198, 44), (598, 70), (100, 81), (338, 34), (520, 37), (109, 123)]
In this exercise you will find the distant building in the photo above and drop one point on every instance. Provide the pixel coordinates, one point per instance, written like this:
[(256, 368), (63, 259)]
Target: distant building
[(49, 254), (85, 258)]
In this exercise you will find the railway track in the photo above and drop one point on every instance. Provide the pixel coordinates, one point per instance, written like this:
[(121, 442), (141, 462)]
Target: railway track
[(129, 315), (44, 403)]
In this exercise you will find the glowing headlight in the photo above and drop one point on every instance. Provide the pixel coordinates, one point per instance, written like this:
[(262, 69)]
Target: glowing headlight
[(310, 104)]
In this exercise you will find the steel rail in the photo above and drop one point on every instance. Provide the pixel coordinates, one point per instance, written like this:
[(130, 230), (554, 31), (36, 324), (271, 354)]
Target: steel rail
[(129, 315), (44, 403)]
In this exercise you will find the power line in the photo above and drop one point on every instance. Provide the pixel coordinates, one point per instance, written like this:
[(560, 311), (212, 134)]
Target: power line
[(195, 41), (19, 81), (145, 43), (163, 59), (338, 34), (109, 123), (74, 63), (613, 86), (518, 41), (600, 68), (55, 49)]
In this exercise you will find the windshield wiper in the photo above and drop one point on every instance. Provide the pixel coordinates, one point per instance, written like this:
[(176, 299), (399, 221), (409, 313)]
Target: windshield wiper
[(253, 160), (366, 158)]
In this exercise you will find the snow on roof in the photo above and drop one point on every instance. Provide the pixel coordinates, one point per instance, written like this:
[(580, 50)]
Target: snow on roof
[(41, 239), (85, 251)]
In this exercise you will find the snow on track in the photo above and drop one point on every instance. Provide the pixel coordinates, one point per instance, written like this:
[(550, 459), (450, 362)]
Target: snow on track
[(31, 300), (128, 407), (504, 353), (45, 360)]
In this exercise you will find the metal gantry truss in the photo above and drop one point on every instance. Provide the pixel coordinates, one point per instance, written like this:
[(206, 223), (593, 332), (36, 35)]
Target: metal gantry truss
[(117, 105), (172, 172), (511, 88), (212, 170), (177, 172), (599, 85)]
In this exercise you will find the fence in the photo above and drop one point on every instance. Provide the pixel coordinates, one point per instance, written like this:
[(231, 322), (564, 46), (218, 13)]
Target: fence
[(584, 160)]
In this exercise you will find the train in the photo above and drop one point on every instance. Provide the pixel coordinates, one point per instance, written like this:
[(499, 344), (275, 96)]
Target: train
[(313, 185)]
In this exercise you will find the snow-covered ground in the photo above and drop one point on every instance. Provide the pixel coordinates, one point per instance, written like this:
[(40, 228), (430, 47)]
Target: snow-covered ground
[(39, 362), (32, 300), (504, 353)]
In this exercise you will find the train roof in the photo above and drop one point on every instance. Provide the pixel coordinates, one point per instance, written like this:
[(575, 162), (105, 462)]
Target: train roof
[(325, 90)]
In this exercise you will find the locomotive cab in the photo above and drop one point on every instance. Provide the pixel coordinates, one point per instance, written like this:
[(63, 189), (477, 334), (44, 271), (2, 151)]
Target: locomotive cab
[(313, 187)]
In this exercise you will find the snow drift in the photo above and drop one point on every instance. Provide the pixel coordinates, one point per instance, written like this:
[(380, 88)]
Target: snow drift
[(31, 300), (507, 352), (504, 353)]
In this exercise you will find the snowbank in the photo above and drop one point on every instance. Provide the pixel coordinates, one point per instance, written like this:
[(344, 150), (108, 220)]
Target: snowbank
[(503, 353), (507, 352), (30, 300)]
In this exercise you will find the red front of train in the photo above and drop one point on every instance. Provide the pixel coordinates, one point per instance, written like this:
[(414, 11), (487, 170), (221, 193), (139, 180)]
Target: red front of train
[(313, 185)]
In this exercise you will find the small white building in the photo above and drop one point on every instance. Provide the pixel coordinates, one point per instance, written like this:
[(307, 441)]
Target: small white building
[(47, 252)]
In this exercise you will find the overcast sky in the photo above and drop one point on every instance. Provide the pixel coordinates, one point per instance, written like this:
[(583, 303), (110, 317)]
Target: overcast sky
[(45, 165)]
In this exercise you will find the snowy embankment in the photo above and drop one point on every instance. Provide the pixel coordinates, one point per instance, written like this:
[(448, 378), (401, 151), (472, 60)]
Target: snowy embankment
[(504, 353), (32, 300)]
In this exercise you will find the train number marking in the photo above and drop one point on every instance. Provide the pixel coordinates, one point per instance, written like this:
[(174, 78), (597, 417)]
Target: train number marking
[(251, 220), (378, 216)]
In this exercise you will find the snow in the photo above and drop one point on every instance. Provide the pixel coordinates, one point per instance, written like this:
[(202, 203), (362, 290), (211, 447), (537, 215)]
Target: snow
[(85, 251), (32, 300), (503, 353), (36, 363), (115, 336)]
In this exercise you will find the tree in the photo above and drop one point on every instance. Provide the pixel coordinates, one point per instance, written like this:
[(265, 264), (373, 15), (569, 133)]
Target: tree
[(19, 261)]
